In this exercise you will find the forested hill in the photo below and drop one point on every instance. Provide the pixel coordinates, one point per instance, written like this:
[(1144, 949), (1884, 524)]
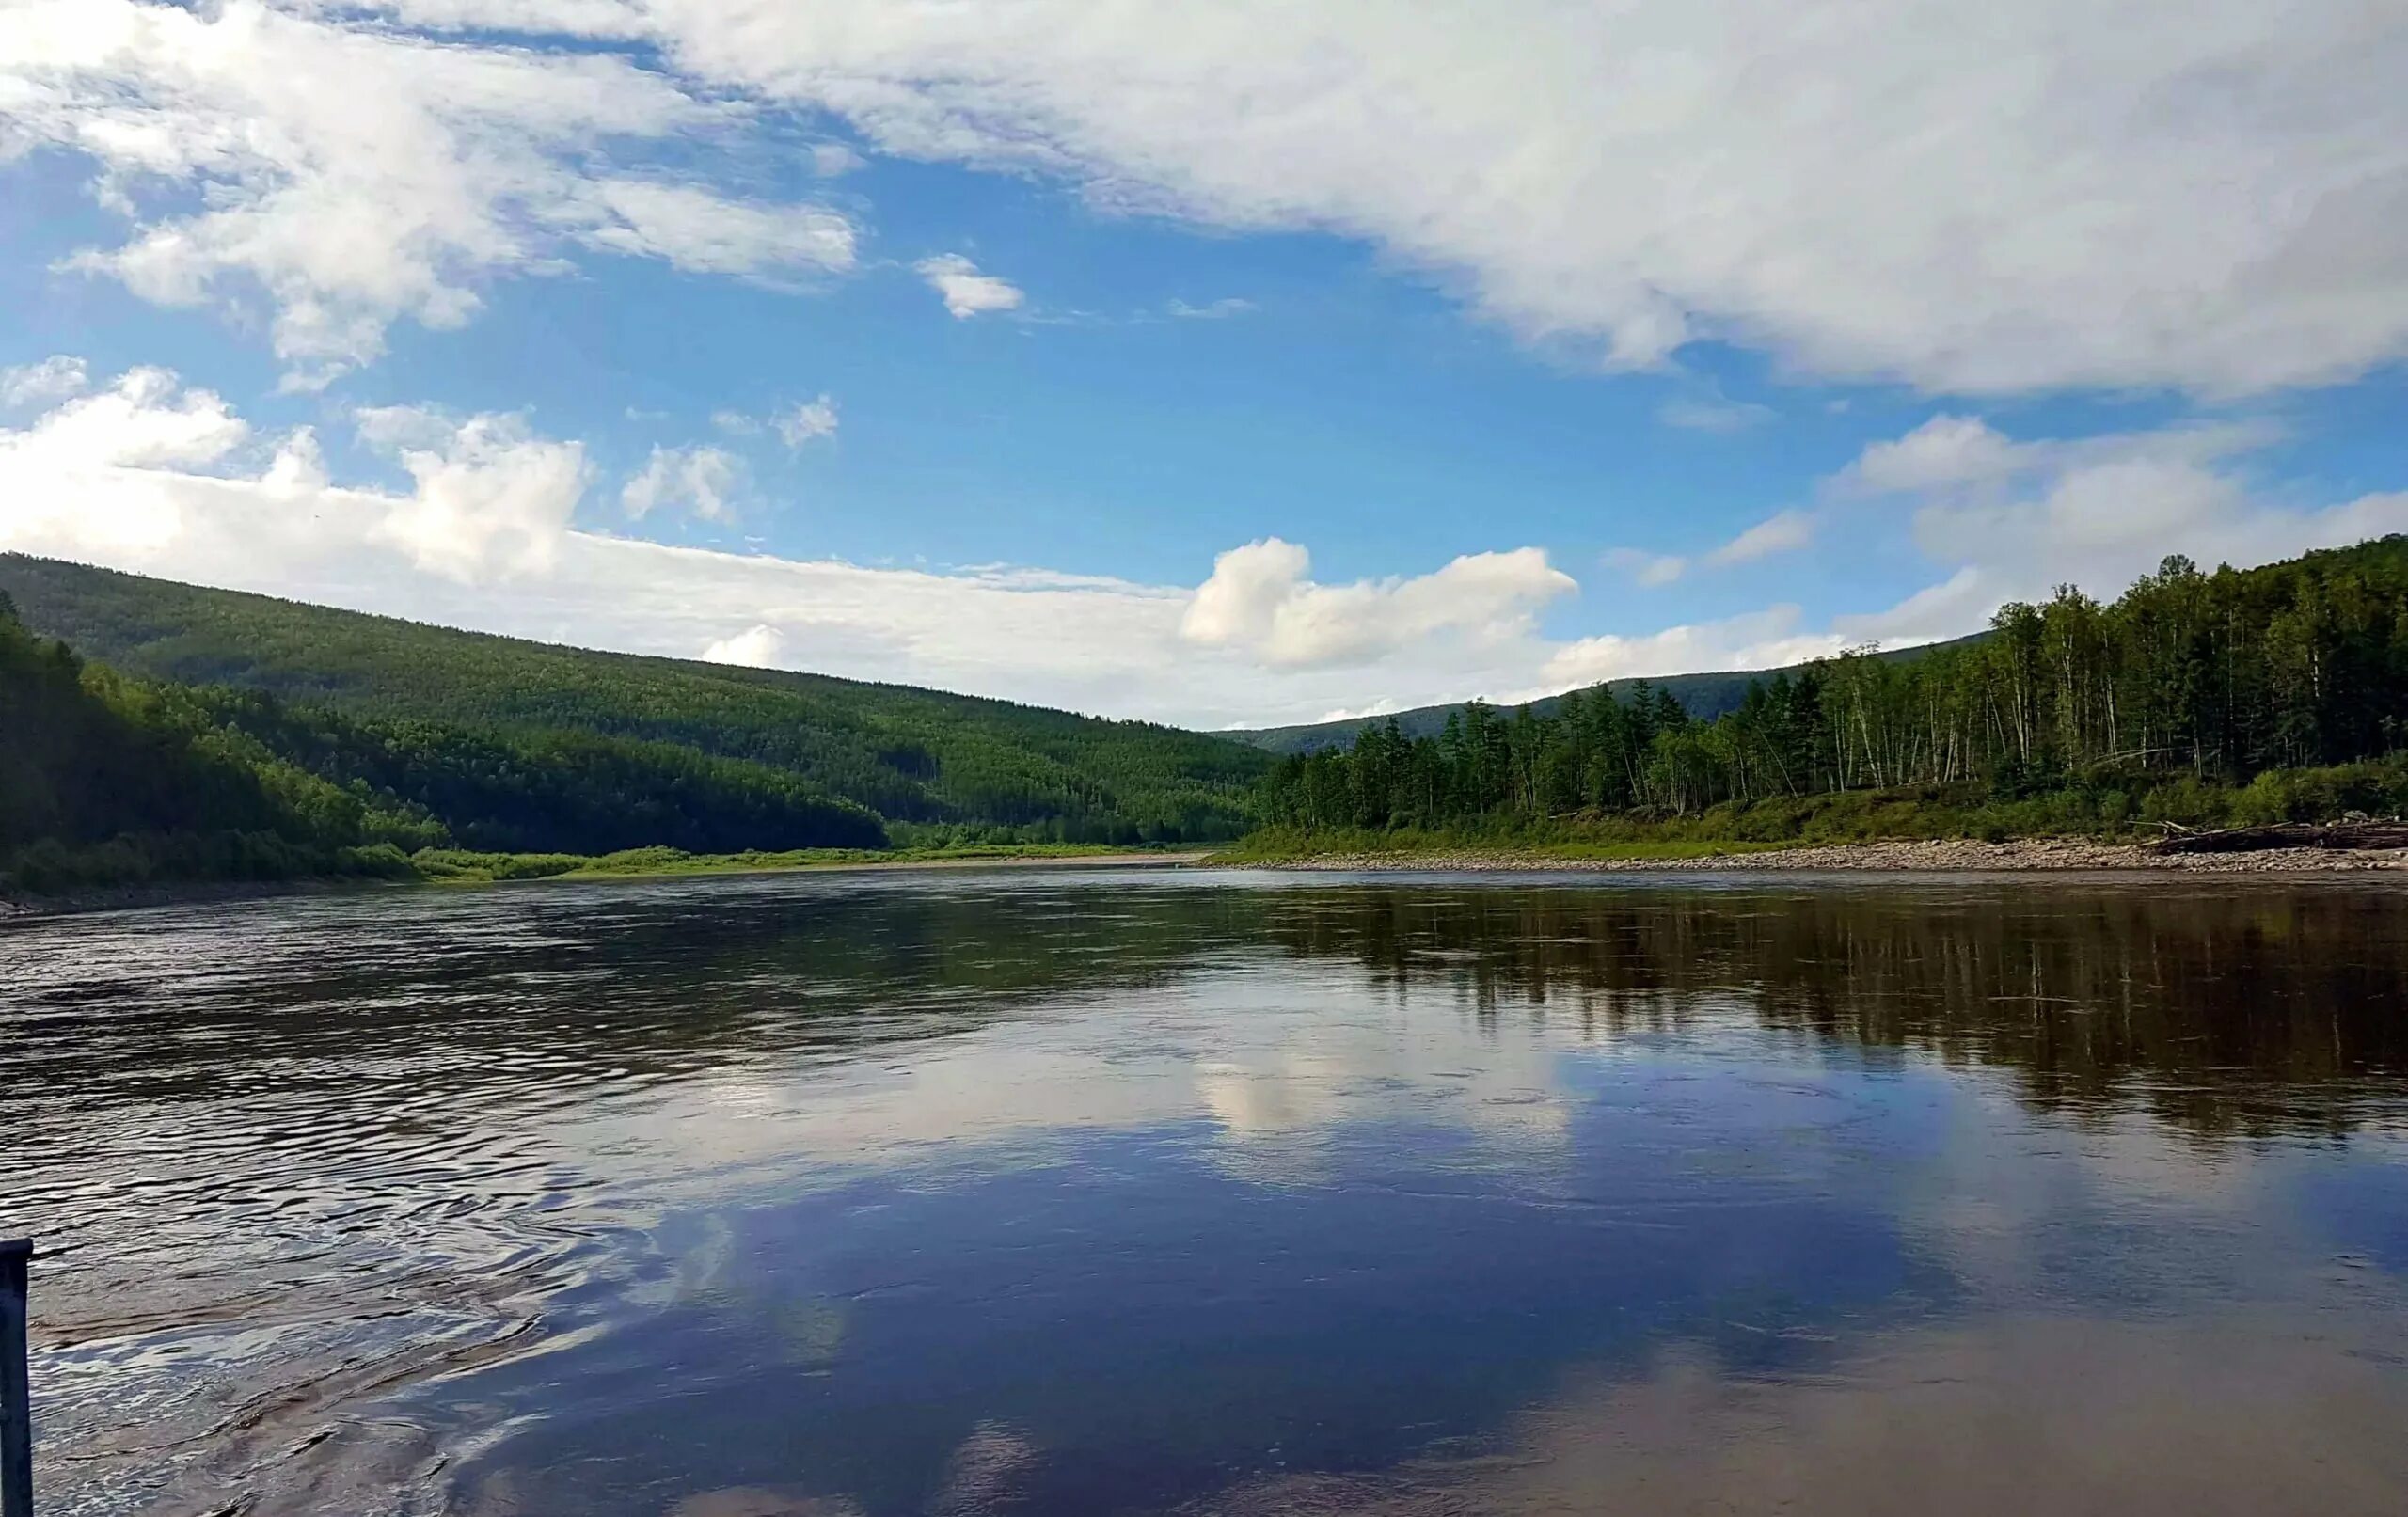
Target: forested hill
[(2273, 694), (1703, 696), (527, 745)]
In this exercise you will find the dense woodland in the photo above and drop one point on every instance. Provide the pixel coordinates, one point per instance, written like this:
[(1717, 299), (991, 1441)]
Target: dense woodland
[(233, 735), (2189, 685), (497, 743), (107, 778)]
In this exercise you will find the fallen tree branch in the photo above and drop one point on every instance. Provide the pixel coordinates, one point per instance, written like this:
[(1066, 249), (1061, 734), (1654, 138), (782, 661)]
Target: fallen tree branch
[(2392, 835)]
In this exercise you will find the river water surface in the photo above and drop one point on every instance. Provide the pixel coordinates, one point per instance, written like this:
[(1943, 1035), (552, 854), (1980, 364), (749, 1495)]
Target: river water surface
[(852, 1196)]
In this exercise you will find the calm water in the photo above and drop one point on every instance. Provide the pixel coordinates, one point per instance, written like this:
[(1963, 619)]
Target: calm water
[(1066, 1194)]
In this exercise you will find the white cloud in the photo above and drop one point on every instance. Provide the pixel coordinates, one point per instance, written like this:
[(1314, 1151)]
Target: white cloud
[(348, 175), (2205, 193), (1378, 708), (144, 474), (1944, 450), (2009, 520), (804, 422), (1780, 533), (967, 293), (1259, 599), (1654, 570), (1783, 531), (829, 160), (148, 475), (702, 480), (1759, 639), (697, 231), (491, 502), (756, 647), (807, 421), (53, 378)]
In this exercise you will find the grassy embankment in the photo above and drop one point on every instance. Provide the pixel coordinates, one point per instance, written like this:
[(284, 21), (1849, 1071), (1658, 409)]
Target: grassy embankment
[(461, 866), (2102, 810)]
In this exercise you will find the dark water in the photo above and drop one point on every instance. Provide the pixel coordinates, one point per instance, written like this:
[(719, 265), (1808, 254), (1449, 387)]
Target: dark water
[(855, 1197)]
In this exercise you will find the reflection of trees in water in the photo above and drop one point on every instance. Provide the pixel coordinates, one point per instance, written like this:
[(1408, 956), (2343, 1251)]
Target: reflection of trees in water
[(2224, 1010), (2236, 1012)]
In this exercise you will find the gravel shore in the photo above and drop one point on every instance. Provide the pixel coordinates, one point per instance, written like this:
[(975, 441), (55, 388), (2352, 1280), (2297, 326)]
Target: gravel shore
[(1950, 855)]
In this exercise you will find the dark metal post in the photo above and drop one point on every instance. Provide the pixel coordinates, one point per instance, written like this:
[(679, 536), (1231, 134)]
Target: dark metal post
[(16, 1395)]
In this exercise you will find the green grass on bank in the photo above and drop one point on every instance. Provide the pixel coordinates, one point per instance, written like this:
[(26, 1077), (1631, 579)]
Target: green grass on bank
[(163, 866), (1274, 847), (460, 866), (2103, 810)]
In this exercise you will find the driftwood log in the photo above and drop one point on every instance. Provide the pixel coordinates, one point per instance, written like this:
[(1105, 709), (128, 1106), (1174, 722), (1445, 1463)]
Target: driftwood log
[(2390, 834)]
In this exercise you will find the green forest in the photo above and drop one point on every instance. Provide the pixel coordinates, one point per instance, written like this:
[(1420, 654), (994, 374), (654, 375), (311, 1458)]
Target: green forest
[(2237, 695), (154, 730)]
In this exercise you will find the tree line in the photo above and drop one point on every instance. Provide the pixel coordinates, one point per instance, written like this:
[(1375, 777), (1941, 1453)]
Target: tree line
[(2188, 683)]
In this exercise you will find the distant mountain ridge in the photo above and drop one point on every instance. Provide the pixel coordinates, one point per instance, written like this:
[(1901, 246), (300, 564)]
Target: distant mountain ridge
[(1704, 696)]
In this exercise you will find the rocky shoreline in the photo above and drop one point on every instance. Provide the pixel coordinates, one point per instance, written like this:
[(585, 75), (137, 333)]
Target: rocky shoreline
[(1947, 855)]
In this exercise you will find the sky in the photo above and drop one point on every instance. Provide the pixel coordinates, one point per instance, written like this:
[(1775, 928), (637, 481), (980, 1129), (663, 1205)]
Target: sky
[(1221, 365)]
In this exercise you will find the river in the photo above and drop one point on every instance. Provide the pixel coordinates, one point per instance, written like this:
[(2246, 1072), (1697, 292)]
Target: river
[(1085, 1191)]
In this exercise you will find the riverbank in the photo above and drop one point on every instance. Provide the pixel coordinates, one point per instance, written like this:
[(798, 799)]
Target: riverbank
[(1900, 856), (448, 866), (455, 870)]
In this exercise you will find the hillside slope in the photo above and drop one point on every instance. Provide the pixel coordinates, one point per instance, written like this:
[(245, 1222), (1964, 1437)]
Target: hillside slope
[(371, 687), (1703, 696), (104, 778)]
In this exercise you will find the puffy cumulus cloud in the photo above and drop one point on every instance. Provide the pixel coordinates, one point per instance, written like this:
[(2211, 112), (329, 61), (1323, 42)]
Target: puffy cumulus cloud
[(1944, 452), (756, 647), (351, 174), (491, 502), (2203, 194), (2011, 519), (53, 378), (700, 479), (145, 474), (1259, 599), (57, 476), (966, 291), (149, 474)]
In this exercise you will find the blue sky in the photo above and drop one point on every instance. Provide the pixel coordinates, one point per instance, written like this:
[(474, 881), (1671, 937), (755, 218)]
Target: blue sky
[(1217, 366)]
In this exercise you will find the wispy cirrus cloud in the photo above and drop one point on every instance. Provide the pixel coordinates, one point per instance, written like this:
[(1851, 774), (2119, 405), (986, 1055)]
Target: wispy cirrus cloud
[(806, 422), (1783, 531)]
